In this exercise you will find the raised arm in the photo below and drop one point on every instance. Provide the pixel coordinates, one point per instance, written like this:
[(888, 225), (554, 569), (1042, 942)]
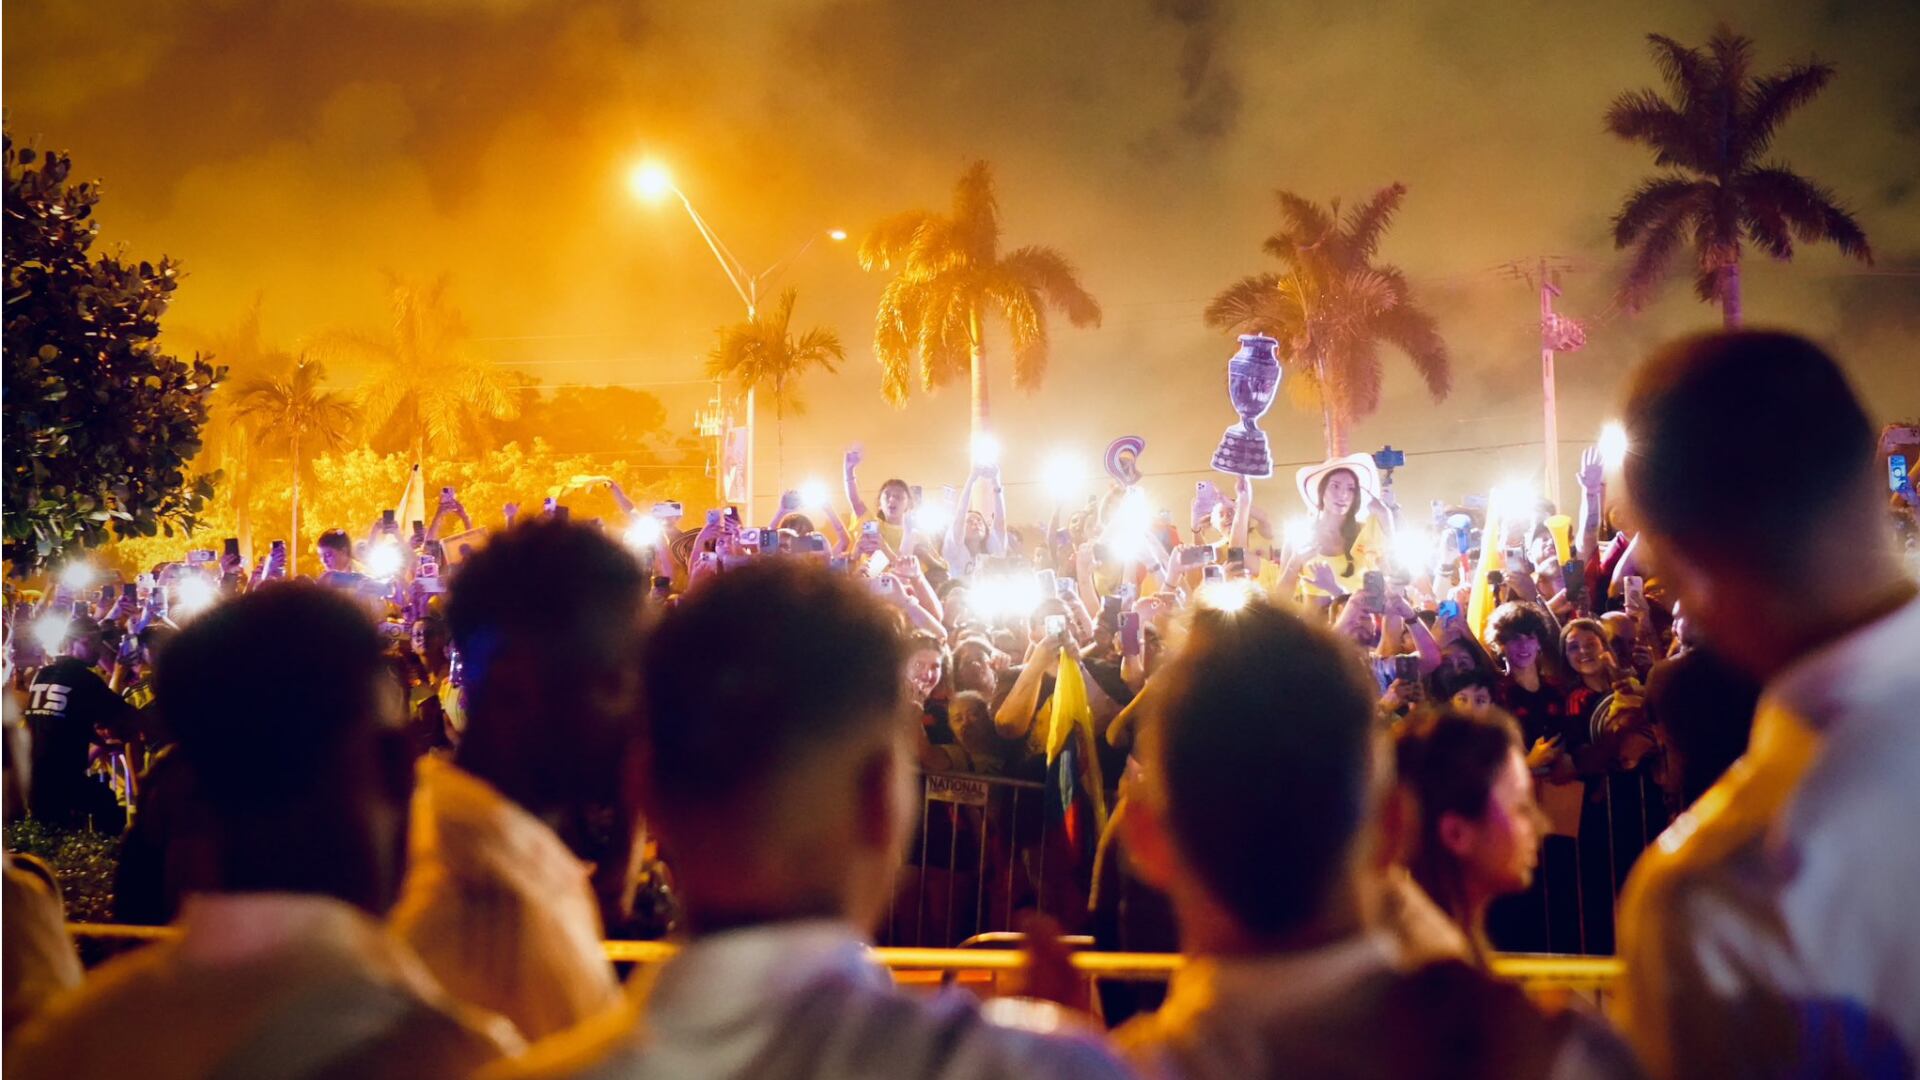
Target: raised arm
[(1015, 714), (854, 501), (957, 528), (1243, 523), (1593, 486)]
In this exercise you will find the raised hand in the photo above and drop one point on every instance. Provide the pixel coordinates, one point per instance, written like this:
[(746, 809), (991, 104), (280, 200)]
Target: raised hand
[(1592, 474)]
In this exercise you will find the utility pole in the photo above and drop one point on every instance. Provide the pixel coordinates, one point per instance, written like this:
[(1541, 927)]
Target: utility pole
[(1558, 334)]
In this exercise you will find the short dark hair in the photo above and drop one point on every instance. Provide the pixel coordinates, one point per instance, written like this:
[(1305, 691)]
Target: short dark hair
[(759, 666), (1741, 443), (1448, 683), (1266, 719), (262, 690), (337, 539), (1448, 760), (556, 587), (1518, 618)]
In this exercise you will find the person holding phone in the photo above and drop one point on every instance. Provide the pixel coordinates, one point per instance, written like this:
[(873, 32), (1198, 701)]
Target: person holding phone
[(1352, 528)]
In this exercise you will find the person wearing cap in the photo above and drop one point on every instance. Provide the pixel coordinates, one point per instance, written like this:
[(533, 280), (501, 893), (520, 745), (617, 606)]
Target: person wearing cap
[(1351, 525)]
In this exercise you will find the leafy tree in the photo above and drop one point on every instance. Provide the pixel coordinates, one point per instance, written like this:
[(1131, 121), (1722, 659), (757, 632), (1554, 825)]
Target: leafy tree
[(292, 412), (99, 422), (951, 275), (427, 387), (1334, 307), (1712, 135), (762, 355)]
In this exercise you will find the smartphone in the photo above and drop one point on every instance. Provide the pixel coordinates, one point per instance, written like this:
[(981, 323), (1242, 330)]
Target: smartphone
[(1213, 572), (1516, 561), (1896, 472), (1636, 592), (662, 583), (1573, 577), (387, 518), (838, 564), (871, 528), (1195, 555), (1049, 583), (1449, 610), (668, 509), (1406, 669), (816, 542), (1236, 554), (1056, 625), (197, 558), (1066, 588), (426, 568), (1128, 592), (279, 548), (129, 591), (230, 547), (1130, 643), (769, 539), (419, 532), (1374, 585), (733, 514)]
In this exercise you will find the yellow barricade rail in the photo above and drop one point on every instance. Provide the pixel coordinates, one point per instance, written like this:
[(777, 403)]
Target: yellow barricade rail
[(1581, 974)]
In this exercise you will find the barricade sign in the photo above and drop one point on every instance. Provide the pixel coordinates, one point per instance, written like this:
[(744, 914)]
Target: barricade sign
[(964, 790)]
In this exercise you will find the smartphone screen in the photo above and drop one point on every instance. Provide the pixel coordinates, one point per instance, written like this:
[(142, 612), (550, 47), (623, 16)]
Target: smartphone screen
[(1130, 644), (231, 547), (1896, 472), (1406, 668)]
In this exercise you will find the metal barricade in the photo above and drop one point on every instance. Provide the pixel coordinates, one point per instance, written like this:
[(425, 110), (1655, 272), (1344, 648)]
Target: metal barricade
[(980, 857)]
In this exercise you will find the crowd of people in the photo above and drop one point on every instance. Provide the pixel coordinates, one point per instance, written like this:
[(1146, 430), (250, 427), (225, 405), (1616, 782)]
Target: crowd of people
[(1340, 753)]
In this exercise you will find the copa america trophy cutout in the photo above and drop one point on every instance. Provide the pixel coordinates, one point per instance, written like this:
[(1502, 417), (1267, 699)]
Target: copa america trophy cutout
[(1253, 375)]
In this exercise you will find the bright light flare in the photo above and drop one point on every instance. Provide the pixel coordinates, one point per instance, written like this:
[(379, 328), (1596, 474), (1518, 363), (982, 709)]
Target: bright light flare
[(193, 595), (50, 630), (932, 518), (645, 532), (814, 494), (1228, 596), (1512, 500), (1412, 549), (1299, 532), (836, 235), (384, 560), (1126, 534), (986, 449), (78, 575), (1613, 444), (1005, 596), (650, 181), (1065, 477)]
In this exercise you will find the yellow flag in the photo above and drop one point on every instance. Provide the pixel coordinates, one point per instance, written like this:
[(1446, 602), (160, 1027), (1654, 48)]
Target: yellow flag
[(1480, 601), (1071, 711)]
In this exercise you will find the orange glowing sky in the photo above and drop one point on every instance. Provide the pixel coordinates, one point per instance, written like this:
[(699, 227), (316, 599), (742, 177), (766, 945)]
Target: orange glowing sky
[(293, 151)]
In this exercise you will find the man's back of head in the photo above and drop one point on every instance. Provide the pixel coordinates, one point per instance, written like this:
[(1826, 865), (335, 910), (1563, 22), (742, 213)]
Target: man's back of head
[(547, 619), (776, 740), (1260, 765), (286, 715), (1750, 474)]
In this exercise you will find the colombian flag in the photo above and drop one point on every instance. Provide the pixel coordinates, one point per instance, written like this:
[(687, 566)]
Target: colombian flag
[(1078, 758)]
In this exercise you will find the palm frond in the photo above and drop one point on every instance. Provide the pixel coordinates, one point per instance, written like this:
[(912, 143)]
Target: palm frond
[(1242, 307), (1655, 201), (1652, 255), (889, 241), (1643, 116), (976, 215), (1369, 221), (1686, 70), (1306, 220), (1812, 210), (1047, 272), (1414, 332), (1771, 98)]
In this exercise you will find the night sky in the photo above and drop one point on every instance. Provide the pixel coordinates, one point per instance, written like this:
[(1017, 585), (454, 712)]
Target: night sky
[(296, 151)]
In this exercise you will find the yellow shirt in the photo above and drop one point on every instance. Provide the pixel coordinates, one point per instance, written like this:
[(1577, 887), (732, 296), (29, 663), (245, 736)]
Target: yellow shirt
[(1369, 552)]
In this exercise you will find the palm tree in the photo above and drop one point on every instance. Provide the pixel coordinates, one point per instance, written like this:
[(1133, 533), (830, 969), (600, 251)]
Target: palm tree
[(291, 413), (950, 276), (1333, 307), (426, 381), (762, 355), (226, 439), (1711, 137)]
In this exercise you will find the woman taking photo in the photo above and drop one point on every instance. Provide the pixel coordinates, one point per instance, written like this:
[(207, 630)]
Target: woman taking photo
[(1475, 831)]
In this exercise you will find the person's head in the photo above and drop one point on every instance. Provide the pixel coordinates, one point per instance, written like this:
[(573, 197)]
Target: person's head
[(547, 618), (1462, 653), (1520, 634), (926, 665), (284, 710), (973, 666), (1469, 690), (86, 641), (975, 531), (1264, 719), (336, 550), (1479, 831), (1584, 645), (430, 638), (896, 499), (779, 762), (971, 717), (1752, 478), (1340, 494)]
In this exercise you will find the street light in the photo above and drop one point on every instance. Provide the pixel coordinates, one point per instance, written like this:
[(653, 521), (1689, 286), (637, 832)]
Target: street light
[(652, 182)]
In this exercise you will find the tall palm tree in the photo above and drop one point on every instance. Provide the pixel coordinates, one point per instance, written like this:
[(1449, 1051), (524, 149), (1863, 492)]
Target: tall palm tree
[(227, 440), (762, 355), (294, 414), (426, 381), (1711, 135), (1333, 307), (950, 276)]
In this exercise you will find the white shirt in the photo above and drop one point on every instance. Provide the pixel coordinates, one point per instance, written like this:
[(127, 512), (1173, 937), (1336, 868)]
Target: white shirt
[(802, 1000), (268, 985), (1352, 1009), (499, 908), (1781, 905)]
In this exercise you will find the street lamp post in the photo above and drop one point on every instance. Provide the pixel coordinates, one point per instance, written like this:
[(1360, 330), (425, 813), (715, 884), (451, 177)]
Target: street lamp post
[(652, 182)]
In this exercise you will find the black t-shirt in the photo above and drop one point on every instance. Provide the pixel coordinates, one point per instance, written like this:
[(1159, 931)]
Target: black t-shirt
[(66, 703)]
